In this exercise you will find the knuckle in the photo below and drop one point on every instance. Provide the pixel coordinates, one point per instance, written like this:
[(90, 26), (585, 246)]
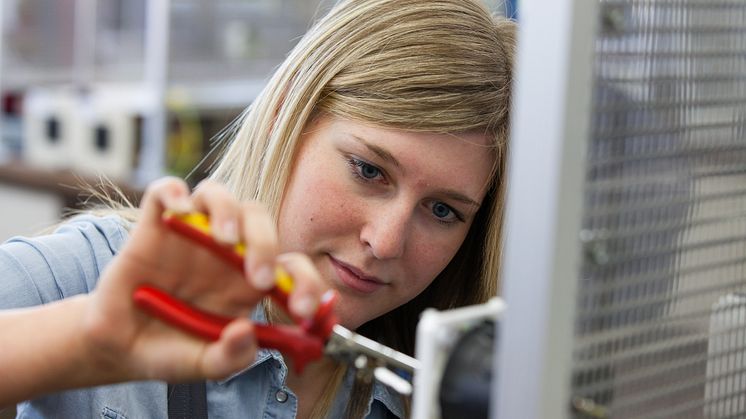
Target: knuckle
[(214, 194), (211, 188), (301, 266), (169, 184), (291, 259), (206, 183)]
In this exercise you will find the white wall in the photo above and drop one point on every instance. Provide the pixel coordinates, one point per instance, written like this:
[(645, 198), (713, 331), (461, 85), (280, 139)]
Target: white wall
[(24, 211)]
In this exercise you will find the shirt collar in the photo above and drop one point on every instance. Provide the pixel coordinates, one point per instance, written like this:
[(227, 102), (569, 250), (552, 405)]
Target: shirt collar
[(391, 399), (382, 393)]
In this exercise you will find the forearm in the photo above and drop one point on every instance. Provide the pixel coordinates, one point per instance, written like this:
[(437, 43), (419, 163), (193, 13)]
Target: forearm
[(42, 350)]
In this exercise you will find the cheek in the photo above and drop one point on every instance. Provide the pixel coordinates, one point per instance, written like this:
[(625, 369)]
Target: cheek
[(312, 209), (430, 256)]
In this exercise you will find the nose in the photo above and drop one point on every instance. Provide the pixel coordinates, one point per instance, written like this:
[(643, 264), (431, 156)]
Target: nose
[(386, 230)]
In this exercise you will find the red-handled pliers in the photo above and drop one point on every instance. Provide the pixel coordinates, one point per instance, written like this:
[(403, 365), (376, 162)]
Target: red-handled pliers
[(305, 341)]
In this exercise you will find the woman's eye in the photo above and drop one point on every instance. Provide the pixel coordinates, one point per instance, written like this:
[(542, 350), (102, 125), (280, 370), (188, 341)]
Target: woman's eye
[(445, 214), (441, 210), (365, 170), (368, 171)]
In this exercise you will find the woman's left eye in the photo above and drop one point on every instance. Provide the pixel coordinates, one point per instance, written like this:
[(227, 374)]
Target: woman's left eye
[(444, 213)]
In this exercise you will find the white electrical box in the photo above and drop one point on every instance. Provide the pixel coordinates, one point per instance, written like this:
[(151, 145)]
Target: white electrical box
[(49, 127)]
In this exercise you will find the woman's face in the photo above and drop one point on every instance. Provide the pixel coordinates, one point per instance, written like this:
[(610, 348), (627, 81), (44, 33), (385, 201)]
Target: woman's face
[(381, 211)]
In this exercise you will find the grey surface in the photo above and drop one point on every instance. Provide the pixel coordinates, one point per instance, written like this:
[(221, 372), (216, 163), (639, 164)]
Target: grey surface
[(664, 224)]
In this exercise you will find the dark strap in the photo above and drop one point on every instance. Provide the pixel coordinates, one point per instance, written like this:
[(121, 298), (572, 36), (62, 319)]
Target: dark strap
[(187, 401)]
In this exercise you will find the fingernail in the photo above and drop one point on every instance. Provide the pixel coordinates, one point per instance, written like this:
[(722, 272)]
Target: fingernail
[(263, 278), (304, 306), (181, 205)]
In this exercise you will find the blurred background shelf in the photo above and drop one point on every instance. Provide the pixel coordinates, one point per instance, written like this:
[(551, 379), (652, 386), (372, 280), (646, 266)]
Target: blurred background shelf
[(67, 185), (35, 198), (130, 90), (78, 76)]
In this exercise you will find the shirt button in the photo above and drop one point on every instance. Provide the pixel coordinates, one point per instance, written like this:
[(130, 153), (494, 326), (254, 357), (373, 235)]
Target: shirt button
[(281, 396)]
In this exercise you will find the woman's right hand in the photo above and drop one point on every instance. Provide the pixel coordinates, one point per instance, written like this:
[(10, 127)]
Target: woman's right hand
[(126, 344)]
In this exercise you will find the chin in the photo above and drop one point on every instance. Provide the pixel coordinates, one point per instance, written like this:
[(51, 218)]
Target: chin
[(349, 320), (351, 324)]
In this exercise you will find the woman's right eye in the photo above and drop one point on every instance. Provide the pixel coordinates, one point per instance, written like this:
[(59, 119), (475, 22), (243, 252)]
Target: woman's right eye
[(363, 170)]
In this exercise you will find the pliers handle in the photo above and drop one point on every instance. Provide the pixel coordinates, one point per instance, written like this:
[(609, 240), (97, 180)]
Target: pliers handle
[(303, 342)]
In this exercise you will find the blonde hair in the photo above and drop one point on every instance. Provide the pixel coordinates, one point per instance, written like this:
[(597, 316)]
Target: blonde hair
[(419, 65)]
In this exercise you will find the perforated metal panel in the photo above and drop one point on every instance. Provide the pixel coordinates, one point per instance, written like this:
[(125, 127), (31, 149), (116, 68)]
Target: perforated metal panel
[(660, 322)]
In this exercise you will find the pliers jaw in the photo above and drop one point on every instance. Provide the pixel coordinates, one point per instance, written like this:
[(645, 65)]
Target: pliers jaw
[(371, 359), (346, 345)]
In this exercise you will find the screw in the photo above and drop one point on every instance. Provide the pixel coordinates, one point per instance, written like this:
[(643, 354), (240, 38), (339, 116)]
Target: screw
[(612, 19)]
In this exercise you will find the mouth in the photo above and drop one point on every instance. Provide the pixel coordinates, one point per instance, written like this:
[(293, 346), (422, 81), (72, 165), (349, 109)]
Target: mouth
[(355, 279)]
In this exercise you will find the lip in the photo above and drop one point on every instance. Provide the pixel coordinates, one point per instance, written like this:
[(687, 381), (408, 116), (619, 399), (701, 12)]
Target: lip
[(356, 279)]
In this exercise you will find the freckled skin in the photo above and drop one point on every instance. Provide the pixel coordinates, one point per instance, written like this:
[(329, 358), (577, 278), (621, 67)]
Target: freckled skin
[(385, 226)]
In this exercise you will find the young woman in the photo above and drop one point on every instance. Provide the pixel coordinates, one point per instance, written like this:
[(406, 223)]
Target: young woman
[(371, 164)]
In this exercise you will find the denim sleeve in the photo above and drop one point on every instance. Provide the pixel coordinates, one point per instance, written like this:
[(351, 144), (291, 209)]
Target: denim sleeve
[(38, 270)]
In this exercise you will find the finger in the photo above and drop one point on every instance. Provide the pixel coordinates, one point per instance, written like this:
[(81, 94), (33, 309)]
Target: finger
[(214, 199), (167, 193), (235, 350), (260, 236), (308, 284)]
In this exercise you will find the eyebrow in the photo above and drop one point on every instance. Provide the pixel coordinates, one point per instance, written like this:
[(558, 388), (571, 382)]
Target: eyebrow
[(380, 152), (461, 198), (388, 157)]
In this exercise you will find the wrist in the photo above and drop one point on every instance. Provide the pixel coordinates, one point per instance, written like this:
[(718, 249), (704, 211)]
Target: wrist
[(104, 347), (45, 351)]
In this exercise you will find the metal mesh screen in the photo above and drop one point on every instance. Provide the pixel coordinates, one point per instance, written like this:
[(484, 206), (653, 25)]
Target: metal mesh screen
[(661, 321)]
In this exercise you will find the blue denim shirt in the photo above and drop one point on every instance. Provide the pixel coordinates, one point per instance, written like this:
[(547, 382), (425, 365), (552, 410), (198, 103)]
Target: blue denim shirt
[(39, 270)]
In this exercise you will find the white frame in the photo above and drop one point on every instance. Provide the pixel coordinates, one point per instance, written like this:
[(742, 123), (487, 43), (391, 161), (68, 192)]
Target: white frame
[(551, 125)]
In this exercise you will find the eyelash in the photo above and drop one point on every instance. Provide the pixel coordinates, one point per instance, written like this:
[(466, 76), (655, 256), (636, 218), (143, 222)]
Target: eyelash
[(357, 165)]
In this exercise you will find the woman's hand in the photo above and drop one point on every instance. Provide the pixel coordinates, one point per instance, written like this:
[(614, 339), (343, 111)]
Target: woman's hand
[(130, 345)]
